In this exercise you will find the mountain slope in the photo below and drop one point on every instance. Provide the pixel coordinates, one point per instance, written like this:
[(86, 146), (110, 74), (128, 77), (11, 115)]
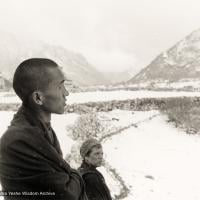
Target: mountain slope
[(14, 50), (179, 63)]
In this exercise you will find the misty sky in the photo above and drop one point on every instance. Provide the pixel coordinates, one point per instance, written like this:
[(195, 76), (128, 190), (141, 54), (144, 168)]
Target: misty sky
[(114, 35)]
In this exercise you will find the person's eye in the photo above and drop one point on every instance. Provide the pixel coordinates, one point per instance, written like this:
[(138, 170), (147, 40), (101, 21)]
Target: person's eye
[(62, 85)]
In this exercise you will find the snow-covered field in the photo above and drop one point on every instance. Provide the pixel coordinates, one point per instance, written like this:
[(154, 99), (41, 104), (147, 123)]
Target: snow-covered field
[(181, 84), (84, 97), (155, 160)]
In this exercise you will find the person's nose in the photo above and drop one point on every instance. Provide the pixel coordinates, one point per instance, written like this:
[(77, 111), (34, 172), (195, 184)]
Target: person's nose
[(100, 156), (66, 93)]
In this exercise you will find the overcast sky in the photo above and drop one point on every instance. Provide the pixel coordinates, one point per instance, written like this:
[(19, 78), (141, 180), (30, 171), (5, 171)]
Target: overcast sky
[(114, 35)]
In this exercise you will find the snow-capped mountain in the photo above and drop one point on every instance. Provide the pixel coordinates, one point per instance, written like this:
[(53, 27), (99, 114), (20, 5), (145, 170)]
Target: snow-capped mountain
[(179, 64), (14, 50)]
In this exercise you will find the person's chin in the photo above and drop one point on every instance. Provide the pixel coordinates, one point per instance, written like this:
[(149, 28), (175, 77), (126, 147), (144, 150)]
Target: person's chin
[(60, 111)]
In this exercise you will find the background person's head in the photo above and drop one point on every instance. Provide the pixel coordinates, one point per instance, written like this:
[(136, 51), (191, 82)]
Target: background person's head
[(39, 83), (91, 152)]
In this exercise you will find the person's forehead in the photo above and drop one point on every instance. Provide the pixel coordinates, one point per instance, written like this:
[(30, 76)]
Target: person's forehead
[(96, 149), (56, 74)]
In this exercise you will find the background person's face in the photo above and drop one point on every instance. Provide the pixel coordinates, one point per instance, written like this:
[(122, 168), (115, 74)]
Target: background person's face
[(95, 157), (55, 93)]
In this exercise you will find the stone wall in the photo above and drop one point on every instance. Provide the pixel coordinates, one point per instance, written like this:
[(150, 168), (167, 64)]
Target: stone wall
[(144, 104)]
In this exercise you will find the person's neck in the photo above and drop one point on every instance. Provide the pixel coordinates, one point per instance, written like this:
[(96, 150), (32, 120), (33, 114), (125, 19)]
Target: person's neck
[(44, 116), (39, 113), (89, 165)]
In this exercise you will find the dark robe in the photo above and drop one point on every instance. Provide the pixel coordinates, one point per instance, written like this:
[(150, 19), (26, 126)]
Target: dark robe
[(31, 161), (96, 188)]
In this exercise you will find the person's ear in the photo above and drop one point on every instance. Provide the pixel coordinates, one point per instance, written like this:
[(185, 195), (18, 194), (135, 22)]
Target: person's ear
[(38, 97)]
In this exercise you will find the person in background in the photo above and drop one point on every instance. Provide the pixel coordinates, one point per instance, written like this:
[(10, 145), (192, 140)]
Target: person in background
[(31, 161), (92, 154)]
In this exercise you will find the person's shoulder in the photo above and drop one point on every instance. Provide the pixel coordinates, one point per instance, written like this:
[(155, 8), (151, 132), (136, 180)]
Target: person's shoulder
[(17, 133), (87, 173), (91, 178), (20, 129)]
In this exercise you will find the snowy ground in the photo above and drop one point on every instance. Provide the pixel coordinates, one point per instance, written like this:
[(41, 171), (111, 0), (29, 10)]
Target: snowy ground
[(106, 96), (155, 160), (181, 84)]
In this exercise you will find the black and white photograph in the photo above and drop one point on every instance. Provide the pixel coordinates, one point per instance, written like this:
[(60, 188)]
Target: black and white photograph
[(99, 99)]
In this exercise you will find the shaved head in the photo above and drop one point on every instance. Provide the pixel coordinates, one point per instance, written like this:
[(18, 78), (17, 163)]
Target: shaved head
[(32, 75)]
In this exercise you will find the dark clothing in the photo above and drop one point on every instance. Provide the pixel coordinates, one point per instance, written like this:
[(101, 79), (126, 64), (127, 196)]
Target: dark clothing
[(96, 188), (31, 161)]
